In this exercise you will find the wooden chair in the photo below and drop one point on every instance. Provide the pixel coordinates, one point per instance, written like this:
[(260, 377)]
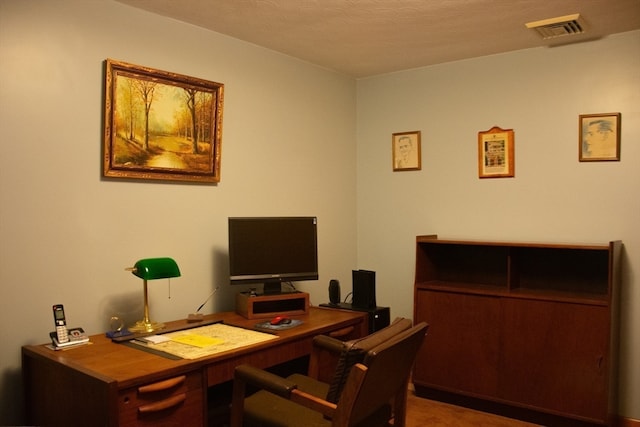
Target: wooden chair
[(369, 387)]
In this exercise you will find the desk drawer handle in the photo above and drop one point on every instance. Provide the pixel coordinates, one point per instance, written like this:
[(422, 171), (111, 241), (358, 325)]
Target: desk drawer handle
[(341, 332), (163, 404), (162, 385)]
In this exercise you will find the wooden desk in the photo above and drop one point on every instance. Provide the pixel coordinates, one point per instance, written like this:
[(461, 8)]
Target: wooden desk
[(110, 384)]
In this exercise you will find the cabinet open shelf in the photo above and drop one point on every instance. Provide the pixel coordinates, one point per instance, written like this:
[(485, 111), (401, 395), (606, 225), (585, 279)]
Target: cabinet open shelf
[(569, 271), (583, 296), (463, 287)]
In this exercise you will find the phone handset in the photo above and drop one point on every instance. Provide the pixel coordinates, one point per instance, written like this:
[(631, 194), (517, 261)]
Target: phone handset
[(61, 324)]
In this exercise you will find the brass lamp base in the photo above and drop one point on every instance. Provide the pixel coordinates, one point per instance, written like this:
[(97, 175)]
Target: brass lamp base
[(146, 325), (143, 326)]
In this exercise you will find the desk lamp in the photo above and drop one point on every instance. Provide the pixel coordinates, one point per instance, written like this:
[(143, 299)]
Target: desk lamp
[(150, 269)]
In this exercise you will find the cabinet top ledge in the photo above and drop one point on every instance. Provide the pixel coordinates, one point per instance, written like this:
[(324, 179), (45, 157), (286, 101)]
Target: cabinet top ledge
[(432, 238)]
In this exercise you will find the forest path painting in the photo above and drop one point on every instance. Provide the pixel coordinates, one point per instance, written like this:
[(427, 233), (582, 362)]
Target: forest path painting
[(161, 125)]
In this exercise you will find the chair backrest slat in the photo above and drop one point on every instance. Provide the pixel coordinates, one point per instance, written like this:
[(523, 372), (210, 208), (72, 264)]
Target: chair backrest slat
[(388, 369), (354, 351)]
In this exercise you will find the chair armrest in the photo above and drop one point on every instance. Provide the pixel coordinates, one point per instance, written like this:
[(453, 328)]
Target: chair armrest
[(324, 348), (246, 374), (328, 343), (265, 380)]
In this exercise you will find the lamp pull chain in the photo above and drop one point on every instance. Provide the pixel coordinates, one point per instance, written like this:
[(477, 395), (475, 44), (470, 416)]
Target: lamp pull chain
[(169, 288)]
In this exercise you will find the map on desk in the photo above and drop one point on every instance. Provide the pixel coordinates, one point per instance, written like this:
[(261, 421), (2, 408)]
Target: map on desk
[(206, 340)]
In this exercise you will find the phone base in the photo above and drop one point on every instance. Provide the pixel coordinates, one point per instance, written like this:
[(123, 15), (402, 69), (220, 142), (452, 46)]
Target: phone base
[(77, 336)]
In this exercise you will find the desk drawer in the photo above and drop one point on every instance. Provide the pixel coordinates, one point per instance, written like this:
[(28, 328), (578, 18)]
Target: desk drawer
[(175, 401)]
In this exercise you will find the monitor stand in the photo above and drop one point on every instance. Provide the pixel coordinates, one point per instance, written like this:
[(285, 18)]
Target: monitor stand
[(274, 287), (261, 306)]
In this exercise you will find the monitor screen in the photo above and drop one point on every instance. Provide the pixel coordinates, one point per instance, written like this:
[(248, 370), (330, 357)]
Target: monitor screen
[(272, 250)]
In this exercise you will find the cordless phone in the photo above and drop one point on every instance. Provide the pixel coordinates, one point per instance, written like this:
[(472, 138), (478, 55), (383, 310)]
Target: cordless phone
[(61, 324)]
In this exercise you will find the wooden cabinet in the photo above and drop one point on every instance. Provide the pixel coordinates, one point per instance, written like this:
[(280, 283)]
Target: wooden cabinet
[(525, 326)]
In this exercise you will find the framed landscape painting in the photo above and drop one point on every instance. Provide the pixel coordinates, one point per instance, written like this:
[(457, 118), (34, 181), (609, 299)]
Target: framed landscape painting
[(160, 125)]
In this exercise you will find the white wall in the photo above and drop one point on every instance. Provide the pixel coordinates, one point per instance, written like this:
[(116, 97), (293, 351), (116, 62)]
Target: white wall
[(553, 198), (66, 234)]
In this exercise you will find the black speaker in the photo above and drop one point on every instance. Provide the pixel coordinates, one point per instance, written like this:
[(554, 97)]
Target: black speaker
[(364, 289), (334, 291)]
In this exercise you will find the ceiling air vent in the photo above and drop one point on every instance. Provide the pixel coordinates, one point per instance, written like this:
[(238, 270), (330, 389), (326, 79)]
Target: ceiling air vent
[(558, 27)]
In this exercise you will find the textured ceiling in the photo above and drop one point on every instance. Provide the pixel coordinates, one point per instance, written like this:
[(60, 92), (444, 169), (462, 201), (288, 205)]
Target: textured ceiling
[(368, 37)]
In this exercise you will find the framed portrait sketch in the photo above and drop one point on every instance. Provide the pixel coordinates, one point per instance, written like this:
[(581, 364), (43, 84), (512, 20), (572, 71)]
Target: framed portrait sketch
[(599, 139), (405, 147), (496, 153), (160, 125)]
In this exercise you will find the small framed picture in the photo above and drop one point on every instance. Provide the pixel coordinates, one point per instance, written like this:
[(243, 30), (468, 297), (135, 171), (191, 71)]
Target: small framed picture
[(405, 147), (496, 153), (599, 139)]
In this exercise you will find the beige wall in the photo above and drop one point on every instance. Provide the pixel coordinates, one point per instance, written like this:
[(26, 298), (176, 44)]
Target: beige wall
[(293, 144), (539, 93)]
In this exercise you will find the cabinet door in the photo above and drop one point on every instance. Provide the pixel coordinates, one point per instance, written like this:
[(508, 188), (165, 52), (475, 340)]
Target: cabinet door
[(556, 356), (460, 352)]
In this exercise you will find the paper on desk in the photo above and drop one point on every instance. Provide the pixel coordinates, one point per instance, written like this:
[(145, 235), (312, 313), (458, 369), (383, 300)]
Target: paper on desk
[(154, 339), (224, 338), (197, 340)]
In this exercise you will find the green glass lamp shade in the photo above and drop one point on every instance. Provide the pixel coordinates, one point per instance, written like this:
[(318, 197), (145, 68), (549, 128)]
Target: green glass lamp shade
[(156, 268)]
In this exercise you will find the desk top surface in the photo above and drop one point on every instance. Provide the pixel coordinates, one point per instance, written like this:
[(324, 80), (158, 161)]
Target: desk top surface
[(113, 362)]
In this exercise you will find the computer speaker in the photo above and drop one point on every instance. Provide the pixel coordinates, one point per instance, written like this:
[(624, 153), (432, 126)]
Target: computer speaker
[(364, 289), (334, 291)]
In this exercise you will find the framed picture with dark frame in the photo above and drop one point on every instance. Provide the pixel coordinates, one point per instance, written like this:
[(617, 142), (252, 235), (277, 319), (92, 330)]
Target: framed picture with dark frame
[(496, 153), (405, 148), (599, 139), (160, 125)]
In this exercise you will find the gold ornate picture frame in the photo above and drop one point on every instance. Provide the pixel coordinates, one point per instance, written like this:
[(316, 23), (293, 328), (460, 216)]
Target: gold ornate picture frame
[(496, 158), (405, 149), (160, 125), (599, 139)]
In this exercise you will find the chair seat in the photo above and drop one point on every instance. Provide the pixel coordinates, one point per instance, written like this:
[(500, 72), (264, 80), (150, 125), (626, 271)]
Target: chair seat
[(265, 409)]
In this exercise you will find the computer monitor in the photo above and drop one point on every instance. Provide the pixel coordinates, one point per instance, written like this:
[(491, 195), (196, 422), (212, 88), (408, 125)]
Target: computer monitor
[(272, 250)]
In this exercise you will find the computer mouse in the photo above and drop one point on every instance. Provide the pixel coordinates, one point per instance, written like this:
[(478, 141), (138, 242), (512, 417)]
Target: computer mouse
[(280, 320)]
